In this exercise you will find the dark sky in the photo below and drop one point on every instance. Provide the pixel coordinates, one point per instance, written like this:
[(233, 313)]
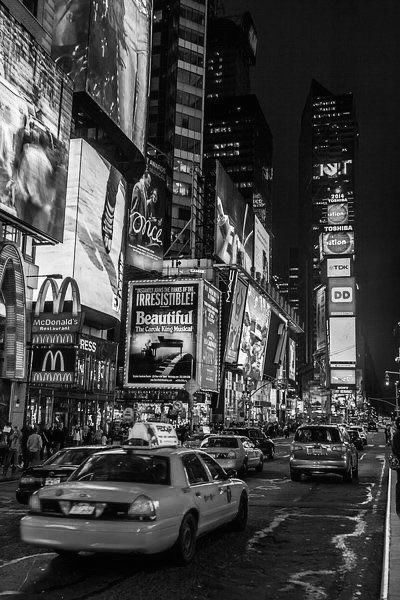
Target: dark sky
[(346, 45)]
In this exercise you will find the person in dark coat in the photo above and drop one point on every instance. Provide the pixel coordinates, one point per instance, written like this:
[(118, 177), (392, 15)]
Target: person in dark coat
[(396, 453)]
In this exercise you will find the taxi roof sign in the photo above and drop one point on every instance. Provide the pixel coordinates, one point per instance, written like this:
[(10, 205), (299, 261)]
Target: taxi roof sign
[(153, 435)]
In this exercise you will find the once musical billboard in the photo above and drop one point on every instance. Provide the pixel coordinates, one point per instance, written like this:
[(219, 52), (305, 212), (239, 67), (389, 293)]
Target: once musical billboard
[(105, 47), (92, 251), (162, 333), (209, 365), (253, 343), (234, 223), (35, 119), (148, 222)]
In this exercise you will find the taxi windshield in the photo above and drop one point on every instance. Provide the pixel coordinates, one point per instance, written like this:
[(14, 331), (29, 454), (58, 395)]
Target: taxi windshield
[(317, 435), (129, 468), (69, 457), (222, 442)]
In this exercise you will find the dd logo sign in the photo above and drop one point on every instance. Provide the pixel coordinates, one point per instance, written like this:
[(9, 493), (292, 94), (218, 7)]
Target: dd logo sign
[(342, 294)]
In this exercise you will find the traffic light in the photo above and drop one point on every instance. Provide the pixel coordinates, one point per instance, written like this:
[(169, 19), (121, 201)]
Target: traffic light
[(387, 381)]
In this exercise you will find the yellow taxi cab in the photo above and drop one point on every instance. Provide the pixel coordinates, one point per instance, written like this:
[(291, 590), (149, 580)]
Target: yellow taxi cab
[(144, 499)]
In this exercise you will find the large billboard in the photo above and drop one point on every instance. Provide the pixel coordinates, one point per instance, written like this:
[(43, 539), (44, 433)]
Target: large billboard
[(333, 170), (35, 117), (209, 364), (234, 223), (337, 213), (292, 359), (320, 305), (337, 242), (338, 267), (342, 340), (162, 333), (237, 303), (105, 47), (343, 377), (253, 343), (148, 222), (262, 250), (92, 251), (342, 296)]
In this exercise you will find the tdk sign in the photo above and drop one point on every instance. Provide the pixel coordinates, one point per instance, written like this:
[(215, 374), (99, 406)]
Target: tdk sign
[(342, 294), (338, 267)]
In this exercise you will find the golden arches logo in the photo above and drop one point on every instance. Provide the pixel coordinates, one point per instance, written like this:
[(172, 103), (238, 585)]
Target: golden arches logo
[(52, 358), (58, 295)]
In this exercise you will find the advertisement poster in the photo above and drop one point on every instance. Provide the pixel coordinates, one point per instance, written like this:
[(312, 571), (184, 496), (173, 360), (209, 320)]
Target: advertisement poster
[(161, 333), (338, 267), (261, 250), (209, 366), (333, 170), (338, 242), (94, 220), (321, 318), (35, 117), (238, 305), (342, 340), (148, 222), (292, 359), (342, 301), (337, 213), (104, 47), (234, 235), (253, 343)]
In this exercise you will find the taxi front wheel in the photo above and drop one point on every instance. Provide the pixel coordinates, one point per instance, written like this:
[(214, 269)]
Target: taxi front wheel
[(240, 521), (185, 546)]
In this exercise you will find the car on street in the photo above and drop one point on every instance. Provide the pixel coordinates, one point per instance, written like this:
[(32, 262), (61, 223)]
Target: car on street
[(361, 432), (137, 499), (356, 440), (55, 469), (234, 452), (320, 449), (194, 440), (259, 439)]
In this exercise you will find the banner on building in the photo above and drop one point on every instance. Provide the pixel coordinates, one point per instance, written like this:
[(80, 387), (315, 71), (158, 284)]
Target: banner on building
[(93, 245), (342, 340), (234, 223), (35, 118), (237, 304), (105, 48), (342, 296), (163, 333), (253, 343), (292, 359), (320, 305), (209, 364), (262, 250)]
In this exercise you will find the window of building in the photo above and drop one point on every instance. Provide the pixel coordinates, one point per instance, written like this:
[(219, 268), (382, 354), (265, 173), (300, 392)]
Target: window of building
[(188, 122), (31, 5), (189, 56), (191, 14), (183, 166), (188, 99), (190, 78), (190, 35), (11, 234), (28, 249), (182, 188), (184, 214), (188, 144)]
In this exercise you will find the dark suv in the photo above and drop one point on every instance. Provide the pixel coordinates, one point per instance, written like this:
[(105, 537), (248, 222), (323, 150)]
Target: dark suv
[(259, 439)]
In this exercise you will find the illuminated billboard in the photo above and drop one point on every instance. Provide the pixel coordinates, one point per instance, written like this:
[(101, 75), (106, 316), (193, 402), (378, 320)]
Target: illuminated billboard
[(148, 222), (343, 377), (321, 318), (292, 359), (92, 251), (342, 340), (262, 250), (253, 343), (35, 118), (105, 47), (337, 242), (162, 333), (234, 222), (342, 296), (338, 267), (337, 213), (333, 170), (209, 364), (237, 303)]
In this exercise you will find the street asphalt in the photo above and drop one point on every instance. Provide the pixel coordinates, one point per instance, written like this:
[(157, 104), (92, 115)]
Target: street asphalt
[(318, 539)]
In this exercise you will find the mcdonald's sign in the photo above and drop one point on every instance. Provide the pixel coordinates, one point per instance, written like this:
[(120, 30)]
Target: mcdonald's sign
[(55, 366), (57, 321)]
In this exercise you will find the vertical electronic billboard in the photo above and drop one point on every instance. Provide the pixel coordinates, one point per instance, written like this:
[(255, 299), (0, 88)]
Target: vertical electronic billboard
[(210, 334), (342, 340), (262, 250), (237, 307), (105, 48)]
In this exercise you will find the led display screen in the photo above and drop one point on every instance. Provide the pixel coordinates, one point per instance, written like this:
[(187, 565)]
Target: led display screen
[(237, 303), (342, 340), (341, 296), (105, 47), (337, 213), (35, 117), (162, 333), (343, 377), (92, 251), (234, 236), (321, 318), (292, 360), (338, 267), (333, 170), (209, 364), (338, 242), (253, 343)]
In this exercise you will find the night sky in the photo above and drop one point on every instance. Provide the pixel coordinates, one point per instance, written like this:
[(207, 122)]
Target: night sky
[(346, 45)]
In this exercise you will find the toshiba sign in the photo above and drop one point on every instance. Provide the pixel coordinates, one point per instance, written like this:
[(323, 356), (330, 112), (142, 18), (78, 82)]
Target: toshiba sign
[(338, 267)]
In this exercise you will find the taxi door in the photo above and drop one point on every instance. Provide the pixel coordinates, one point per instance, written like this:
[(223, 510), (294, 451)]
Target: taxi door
[(253, 455), (205, 493), (227, 502)]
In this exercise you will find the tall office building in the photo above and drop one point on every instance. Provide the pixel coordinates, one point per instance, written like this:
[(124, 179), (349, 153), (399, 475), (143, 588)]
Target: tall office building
[(328, 144), (176, 110)]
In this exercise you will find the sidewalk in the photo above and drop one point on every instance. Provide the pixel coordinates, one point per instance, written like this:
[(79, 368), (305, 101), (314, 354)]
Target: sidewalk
[(390, 588)]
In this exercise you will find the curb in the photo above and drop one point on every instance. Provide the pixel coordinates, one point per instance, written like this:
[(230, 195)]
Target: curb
[(386, 543)]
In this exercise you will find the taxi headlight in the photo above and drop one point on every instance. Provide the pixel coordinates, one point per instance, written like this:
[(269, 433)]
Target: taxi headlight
[(142, 509), (232, 454), (34, 503)]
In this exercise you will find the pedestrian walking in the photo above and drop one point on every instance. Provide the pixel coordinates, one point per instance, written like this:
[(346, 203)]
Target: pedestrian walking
[(14, 450), (77, 435), (388, 433), (26, 432), (396, 453), (34, 446)]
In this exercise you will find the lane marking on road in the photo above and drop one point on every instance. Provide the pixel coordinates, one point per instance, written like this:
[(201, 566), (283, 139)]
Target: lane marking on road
[(369, 489), (312, 591), (21, 558), (286, 456), (382, 458), (263, 533)]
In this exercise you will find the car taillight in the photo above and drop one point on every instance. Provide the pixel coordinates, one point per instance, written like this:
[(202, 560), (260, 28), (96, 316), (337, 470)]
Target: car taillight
[(295, 447), (34, 503), (337, 448), (142, 509), (231, 454)]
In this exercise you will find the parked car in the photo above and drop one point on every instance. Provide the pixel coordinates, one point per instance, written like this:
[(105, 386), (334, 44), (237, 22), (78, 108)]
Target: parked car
[(137, 500), (259, 439), (361, 432), (234, 452), (54, 470), (320, 449)]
